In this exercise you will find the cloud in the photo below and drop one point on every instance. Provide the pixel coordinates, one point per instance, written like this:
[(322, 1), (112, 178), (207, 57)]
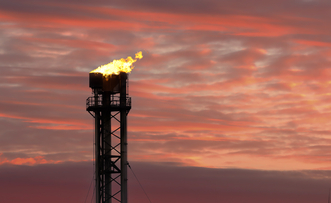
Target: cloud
[(231, 185), (46, 181), (222, 83), (164, 183)]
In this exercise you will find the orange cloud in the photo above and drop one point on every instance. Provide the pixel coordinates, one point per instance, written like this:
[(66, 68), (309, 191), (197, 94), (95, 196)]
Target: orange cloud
[(28, 161)]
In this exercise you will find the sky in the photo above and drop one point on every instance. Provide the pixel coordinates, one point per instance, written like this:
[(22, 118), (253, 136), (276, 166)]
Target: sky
[(230, 103)]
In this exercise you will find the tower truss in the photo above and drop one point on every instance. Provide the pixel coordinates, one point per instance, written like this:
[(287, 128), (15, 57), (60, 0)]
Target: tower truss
[(110, 105)]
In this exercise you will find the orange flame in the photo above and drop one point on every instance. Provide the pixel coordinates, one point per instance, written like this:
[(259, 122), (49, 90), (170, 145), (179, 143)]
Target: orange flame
[(117, 66)]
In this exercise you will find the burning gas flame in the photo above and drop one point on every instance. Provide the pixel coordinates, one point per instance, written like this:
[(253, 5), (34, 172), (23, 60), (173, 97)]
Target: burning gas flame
[(117, 66)]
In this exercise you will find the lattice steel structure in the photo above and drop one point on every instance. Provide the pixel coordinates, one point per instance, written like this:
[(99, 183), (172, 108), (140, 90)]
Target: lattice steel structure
[(109, 106)]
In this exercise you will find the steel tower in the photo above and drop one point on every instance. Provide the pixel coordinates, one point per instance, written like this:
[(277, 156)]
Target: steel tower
[(109, 106)]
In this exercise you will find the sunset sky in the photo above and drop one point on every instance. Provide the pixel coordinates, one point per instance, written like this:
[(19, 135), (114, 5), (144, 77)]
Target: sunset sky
[(231, 102)]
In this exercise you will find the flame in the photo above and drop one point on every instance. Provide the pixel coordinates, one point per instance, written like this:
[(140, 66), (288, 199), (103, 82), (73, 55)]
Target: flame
[(117, 66)]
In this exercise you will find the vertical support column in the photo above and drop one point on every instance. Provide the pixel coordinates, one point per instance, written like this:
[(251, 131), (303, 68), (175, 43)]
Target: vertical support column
[(97, 146), (123, 124), (106, 145)]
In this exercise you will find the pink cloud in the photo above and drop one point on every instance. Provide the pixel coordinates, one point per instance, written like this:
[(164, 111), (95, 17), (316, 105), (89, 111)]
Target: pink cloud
[(253, 78), (27, 161)]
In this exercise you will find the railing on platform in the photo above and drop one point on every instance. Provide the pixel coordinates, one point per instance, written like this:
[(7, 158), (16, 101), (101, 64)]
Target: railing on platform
[(115, 102)]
